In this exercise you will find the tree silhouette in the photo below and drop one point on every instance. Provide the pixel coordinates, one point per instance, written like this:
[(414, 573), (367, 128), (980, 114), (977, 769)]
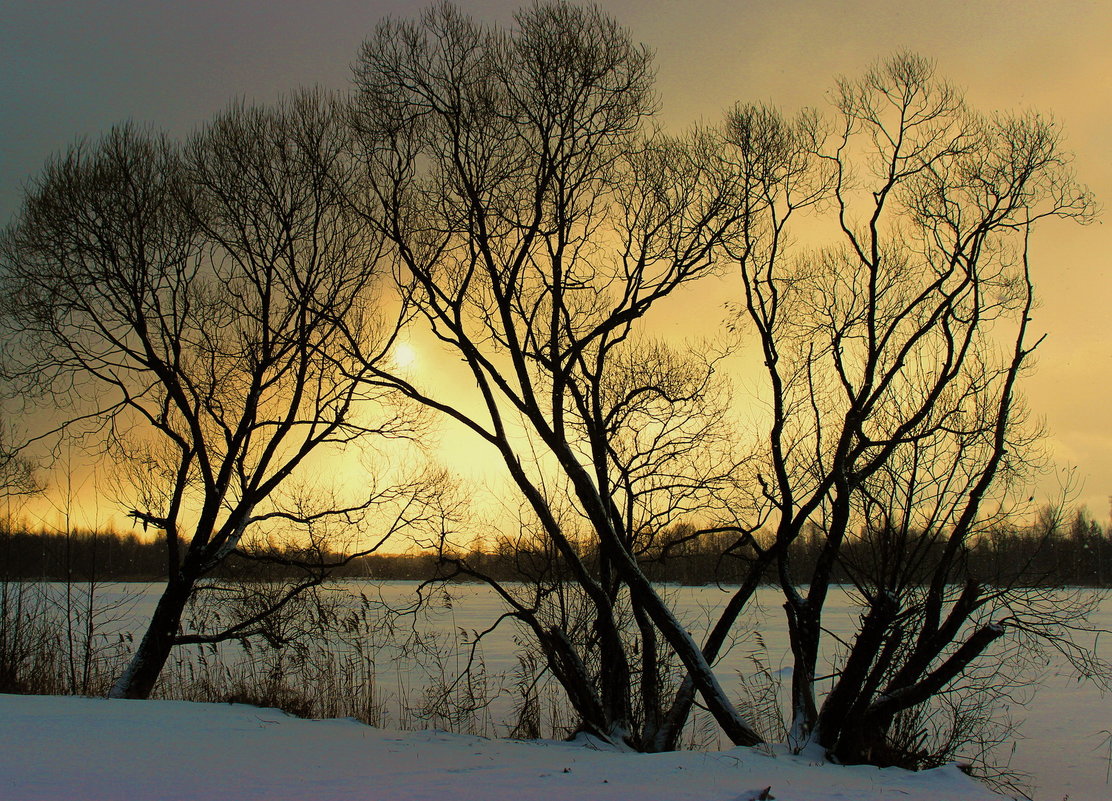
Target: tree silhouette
[(534, 219), (186, 302), (892, 357)]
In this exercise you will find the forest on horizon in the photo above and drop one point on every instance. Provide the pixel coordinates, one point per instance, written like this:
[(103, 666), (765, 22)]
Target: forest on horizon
[(1053, 550)]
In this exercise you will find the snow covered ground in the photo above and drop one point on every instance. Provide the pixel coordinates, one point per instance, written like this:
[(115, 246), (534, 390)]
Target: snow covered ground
[(82, 749), (1064, 745)]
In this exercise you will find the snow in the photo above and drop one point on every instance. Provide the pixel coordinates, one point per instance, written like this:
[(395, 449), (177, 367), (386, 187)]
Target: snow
[(86, 749)]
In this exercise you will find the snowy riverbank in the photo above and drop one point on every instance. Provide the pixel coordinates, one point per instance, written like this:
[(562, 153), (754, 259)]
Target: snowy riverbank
[(82, 749)]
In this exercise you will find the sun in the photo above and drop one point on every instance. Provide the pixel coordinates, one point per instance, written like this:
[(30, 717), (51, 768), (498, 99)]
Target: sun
[(405, 355)]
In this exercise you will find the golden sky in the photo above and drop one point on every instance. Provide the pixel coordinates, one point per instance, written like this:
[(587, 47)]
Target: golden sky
[(73, 69)]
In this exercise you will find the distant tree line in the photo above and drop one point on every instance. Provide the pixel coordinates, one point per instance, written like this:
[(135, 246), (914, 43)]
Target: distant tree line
[(80, 555), (1051, 551), (86, 555)]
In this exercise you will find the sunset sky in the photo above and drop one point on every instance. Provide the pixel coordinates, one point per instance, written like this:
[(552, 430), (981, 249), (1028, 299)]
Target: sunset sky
[(72, 69)]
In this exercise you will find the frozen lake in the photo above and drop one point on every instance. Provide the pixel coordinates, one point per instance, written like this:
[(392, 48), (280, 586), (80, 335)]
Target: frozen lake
[(1064, 741)]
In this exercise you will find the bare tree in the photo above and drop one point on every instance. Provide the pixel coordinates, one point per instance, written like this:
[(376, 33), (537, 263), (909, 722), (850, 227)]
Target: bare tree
[(17, 473), (535, 218), (187, 303), (893, 359)]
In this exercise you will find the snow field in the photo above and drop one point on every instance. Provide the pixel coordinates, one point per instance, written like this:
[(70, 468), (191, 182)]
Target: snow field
[(83, 749)]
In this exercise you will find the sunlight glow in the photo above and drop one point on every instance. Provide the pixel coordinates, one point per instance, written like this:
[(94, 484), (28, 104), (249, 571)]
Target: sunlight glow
[(405, 355)]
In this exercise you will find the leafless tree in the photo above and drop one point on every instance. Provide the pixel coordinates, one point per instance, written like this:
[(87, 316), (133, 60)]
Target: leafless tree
[(893, 358), (186, 303), (17, 473), (535, 218)]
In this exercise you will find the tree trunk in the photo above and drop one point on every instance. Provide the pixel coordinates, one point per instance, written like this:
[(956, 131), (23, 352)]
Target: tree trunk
[(733, 725), (650, 681), (142, 672), (667, 735), (625, 565), (803, 633), (847, 700)]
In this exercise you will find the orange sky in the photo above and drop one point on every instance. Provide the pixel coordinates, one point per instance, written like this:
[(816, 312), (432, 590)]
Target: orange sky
[(75, 69), (1053, 57)]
